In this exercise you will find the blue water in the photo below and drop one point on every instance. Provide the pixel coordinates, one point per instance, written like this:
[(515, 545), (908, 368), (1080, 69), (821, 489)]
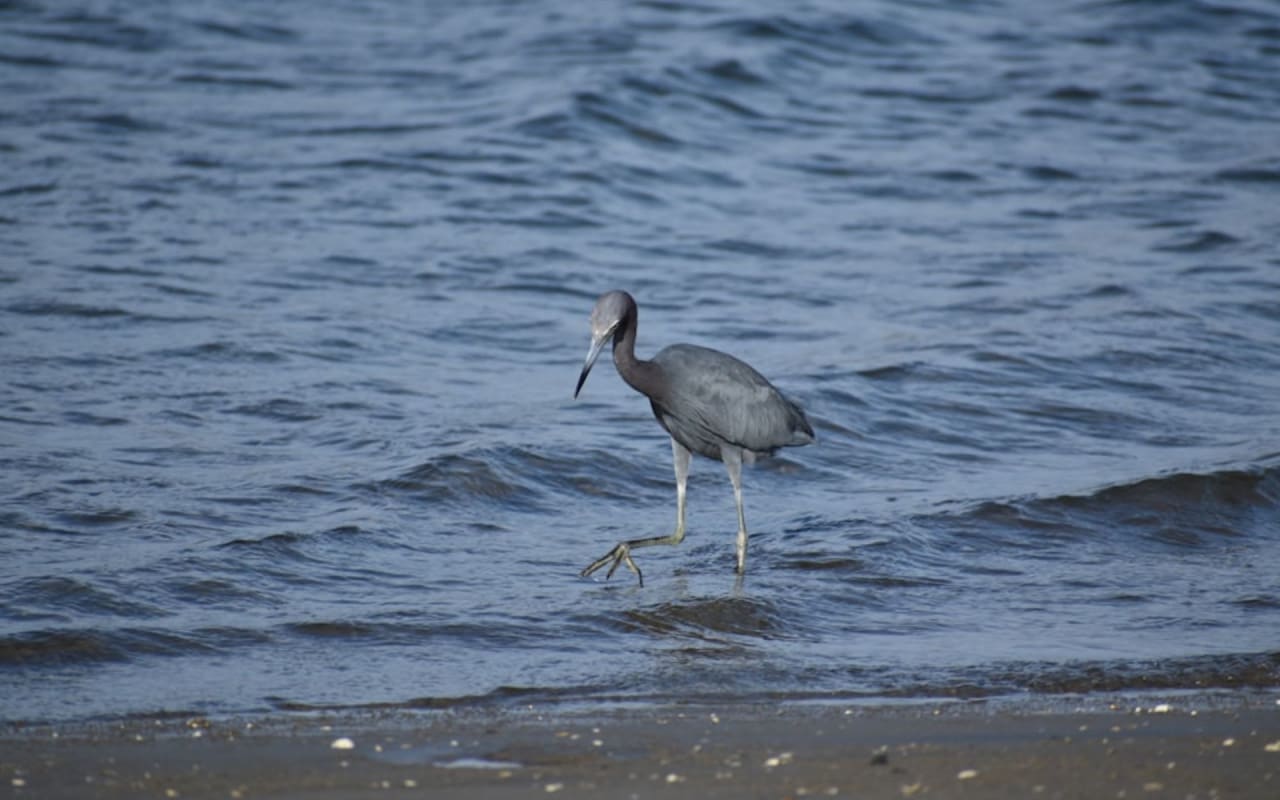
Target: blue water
[(293, 298)]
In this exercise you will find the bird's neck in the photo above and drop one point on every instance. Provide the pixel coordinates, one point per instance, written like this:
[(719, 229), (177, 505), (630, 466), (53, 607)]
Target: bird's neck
[(638, 373)]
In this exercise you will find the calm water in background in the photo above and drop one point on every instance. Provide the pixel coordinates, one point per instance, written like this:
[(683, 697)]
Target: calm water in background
[(293, 299)]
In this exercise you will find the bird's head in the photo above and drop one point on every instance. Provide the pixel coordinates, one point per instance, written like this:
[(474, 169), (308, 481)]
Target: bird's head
[(612, 309)]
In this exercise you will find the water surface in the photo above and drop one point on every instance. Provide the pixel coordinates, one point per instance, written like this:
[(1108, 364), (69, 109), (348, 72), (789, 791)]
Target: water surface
[(293, 300)]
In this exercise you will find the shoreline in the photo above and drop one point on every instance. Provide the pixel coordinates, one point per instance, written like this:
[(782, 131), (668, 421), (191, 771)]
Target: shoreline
[(1210, 746)]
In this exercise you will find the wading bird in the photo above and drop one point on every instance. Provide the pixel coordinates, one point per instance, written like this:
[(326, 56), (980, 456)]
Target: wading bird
[(709, 402)]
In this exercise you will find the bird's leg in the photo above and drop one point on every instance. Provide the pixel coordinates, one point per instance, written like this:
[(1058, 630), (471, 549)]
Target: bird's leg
[(621, 553), (680, 459), (732, 458)]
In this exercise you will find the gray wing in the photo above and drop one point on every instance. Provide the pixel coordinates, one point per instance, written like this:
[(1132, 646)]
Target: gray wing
[(710, 398)]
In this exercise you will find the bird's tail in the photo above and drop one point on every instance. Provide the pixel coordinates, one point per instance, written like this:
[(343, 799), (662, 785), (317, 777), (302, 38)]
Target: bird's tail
[(801, 431)]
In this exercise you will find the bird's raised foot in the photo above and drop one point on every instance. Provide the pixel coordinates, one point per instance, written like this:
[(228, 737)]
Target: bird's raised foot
[(620, 554)]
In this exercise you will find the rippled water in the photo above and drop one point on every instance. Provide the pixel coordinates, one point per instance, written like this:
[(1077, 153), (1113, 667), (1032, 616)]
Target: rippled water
[(293, 298)]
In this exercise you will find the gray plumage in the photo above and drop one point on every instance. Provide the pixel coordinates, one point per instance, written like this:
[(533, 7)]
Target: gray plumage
[(709, 398), (709, 402)]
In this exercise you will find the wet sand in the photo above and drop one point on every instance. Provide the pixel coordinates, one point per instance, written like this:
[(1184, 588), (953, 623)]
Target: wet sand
[(951, 750)]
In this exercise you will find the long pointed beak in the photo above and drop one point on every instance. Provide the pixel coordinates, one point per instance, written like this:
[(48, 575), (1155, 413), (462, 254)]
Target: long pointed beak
[(596, 346)]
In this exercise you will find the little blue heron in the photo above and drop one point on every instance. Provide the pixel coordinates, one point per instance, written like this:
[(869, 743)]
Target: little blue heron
[(711, 403)]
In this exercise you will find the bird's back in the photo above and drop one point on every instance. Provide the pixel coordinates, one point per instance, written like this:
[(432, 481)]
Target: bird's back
[(710, 398)]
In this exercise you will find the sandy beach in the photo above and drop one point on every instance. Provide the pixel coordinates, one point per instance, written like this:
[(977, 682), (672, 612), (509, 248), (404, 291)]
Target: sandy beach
[(1124, 749)]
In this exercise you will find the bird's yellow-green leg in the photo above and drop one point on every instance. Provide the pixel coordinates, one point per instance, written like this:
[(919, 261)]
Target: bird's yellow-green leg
[(732, 458), (621, 553)]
